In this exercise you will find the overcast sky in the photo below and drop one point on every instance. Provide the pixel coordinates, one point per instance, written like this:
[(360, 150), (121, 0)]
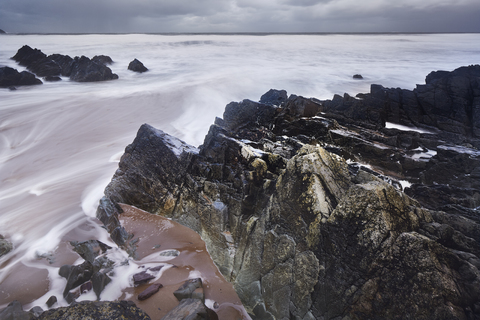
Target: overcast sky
[(125, 16)]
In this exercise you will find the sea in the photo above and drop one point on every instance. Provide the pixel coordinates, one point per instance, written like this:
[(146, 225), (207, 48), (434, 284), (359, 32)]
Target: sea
[(60, 142)]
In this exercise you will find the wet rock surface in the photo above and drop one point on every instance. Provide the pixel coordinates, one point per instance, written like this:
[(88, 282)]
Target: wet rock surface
[(5, 246), (291, 215), (81, 69)]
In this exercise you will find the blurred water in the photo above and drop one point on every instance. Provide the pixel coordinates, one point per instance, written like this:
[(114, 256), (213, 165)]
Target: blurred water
[(60, 142)]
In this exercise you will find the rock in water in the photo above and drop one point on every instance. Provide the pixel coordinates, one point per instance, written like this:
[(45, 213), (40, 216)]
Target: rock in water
[(5, 246), (191, 309), (101, 59), (150, 291), (137, 66), (357, 76), (86, 70), (304, 234), (11, 77)]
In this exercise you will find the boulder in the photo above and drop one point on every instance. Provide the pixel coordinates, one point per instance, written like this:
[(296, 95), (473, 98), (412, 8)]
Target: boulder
[(2, 32), (188, 309), (150, 291), (14, 311), (11, 77), (101, 59), (137, 66), (357, 76), (37, 62)]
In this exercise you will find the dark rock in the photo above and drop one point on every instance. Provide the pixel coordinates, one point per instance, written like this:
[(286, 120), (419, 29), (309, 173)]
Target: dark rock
[(101, 59), (87, 286), (274, 97), (11, 77), (90, 249), (357, 76), (142, 278), (2, 32), (150, 291), (37, 62), (99, 281), (86, 70), (100, 310), (5, 246), (65, 62), (14, 311), (52, 78), (187, 289), (51, 301), (191, 309), (76, 275), (137, 66), (36, 311), (310, 236)]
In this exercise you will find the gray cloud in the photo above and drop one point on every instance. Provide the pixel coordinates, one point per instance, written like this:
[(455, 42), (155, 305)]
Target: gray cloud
[(58, 16)]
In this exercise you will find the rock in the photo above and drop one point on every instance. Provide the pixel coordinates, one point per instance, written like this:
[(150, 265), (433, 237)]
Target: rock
[(37, 62), (191, 309), (186, 290), (86, 70), (137, 66), (5, 246), (90, 249), (64, 61), (52, 78), (51, 301), (100, 310), (11, 77), (274, 97), (300, 205), (142, 278), (76, 275), (99, 281), (14, 311), (101, 59), (150, 291), (2, 32), (357, 76), (36, 311)]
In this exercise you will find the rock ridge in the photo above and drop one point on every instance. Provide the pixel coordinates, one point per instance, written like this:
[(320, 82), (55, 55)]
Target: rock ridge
[(300, 201)]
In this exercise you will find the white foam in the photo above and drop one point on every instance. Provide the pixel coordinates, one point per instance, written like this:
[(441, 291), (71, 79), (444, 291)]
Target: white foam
[(390, 125)]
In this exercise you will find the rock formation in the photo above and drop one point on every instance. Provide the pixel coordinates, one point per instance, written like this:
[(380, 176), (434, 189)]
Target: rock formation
[(292, 215), (81, 69)]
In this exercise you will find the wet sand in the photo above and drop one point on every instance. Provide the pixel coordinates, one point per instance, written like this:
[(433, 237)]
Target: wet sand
[(157, 234)]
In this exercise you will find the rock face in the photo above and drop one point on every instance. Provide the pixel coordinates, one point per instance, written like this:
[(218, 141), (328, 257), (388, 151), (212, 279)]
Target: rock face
[(80, 69), (137, 66), (11, 77), (301, 232)]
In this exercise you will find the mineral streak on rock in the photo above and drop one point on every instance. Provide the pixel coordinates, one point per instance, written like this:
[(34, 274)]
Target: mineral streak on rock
[(300, 204)]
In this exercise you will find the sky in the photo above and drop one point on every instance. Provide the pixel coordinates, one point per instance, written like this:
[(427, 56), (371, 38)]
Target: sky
[(191, 16)]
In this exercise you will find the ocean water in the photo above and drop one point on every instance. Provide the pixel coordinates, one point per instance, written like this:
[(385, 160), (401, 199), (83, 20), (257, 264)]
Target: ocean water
[(60, 142)]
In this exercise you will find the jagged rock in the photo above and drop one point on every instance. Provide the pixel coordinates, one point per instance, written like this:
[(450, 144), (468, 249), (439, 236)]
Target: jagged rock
[(100, 310), (90, 249), (14, 311), (5, 246), (150, 291), (274, 97), (52, 78), (64, 61), (137, 66), (86, 70), (37, 62), (76, 275), (101, 59), (301, 233), (10, 77)]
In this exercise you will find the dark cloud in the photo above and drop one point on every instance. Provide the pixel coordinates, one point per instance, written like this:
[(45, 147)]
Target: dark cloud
[(57, 16)]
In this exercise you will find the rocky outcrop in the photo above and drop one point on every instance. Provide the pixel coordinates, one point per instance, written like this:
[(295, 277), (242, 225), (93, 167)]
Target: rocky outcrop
[(137, 66), (81, 69), (297, 222), (2, 32), (10, 77)]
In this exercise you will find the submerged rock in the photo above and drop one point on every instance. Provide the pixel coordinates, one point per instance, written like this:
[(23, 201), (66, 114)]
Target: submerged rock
[(5, 246), (301, 232)]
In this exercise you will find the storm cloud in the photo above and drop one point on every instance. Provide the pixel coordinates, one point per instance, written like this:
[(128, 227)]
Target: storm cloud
[(162, 16)]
